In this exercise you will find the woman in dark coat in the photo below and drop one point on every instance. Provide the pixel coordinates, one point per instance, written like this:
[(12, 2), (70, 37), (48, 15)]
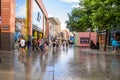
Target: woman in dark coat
[(92, 45)]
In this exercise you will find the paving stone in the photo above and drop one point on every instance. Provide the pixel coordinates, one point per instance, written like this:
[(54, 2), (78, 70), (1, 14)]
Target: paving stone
[(73, 63)]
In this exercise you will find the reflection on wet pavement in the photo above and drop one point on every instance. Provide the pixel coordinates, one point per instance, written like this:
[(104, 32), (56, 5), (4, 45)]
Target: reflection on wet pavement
[(61, 64)]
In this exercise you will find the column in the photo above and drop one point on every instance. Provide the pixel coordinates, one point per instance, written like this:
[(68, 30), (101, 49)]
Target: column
[(30, 5), (7, 25)]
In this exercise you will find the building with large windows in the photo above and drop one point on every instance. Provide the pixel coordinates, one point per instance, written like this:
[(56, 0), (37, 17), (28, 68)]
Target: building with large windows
[(31, 15)]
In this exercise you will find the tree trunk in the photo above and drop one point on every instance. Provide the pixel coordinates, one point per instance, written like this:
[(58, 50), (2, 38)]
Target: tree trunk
[(106, 39)]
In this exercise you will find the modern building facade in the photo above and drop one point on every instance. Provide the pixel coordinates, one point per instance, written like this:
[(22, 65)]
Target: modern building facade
[(10, 10)]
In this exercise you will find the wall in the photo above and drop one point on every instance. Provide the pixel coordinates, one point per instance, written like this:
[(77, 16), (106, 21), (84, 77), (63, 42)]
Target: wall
[(85, 36), (7, 25)]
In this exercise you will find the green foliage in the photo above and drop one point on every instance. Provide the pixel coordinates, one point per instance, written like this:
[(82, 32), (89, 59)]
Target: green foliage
[(104, 14)]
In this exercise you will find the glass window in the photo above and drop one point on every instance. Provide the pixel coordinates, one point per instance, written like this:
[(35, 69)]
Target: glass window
[(84, 40), (37, 15)]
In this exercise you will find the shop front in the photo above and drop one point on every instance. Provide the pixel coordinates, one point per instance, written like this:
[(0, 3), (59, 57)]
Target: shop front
[(105, 38), (37, 33), (30, 11), (83, 39), (114, 34), (38, 21)]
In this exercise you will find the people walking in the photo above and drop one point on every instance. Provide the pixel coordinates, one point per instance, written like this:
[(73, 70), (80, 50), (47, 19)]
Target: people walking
[(54, 44), (22, 44), (41, 44), (64, 42), (115, 45), (34, 44)]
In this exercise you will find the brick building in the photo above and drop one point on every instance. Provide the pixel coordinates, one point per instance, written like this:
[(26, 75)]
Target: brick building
[(7, 24)]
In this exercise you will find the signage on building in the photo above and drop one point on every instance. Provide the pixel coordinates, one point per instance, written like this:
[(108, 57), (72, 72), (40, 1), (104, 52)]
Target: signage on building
[(6, 27), (84, 40), (38, 16)]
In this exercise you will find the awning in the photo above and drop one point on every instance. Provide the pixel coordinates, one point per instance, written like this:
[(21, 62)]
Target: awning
[(36, 28), (115, 31)]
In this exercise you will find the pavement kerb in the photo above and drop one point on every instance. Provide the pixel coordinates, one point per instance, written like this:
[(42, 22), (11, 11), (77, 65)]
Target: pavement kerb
[(93, 51)]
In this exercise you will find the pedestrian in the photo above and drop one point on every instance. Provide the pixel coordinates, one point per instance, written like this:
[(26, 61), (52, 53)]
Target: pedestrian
[(34, 44), (64, 42), (115, 46), (41, 44), (28, 44), (22, 44), (57, 43), (67, 43), (92, 45), (54, 44)]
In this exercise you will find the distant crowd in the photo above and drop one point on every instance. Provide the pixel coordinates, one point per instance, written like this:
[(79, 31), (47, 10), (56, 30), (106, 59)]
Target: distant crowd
[(42, 44)]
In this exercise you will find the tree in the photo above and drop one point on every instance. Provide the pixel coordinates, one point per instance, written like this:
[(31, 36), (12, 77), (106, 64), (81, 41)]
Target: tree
[(104, 14)]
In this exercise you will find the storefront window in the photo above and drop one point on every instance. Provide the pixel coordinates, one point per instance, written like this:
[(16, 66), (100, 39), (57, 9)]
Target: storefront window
[(84, 40), (37, 15), (102, 39)]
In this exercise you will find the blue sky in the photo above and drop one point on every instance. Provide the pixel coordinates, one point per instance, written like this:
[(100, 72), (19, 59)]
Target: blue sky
[(21, 12), (60, 8), (55, 8), (21, 8)]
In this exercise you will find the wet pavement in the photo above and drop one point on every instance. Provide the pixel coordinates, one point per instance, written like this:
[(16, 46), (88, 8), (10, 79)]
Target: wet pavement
[(71, 63)]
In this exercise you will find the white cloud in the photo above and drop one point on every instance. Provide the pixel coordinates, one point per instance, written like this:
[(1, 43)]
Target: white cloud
[(21, 10), (71, 1), (76, 6), (63, 20)]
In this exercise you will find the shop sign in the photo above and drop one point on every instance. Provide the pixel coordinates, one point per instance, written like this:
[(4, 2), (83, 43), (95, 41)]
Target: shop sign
[(84, 40), (6, 27), (38, 16)]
